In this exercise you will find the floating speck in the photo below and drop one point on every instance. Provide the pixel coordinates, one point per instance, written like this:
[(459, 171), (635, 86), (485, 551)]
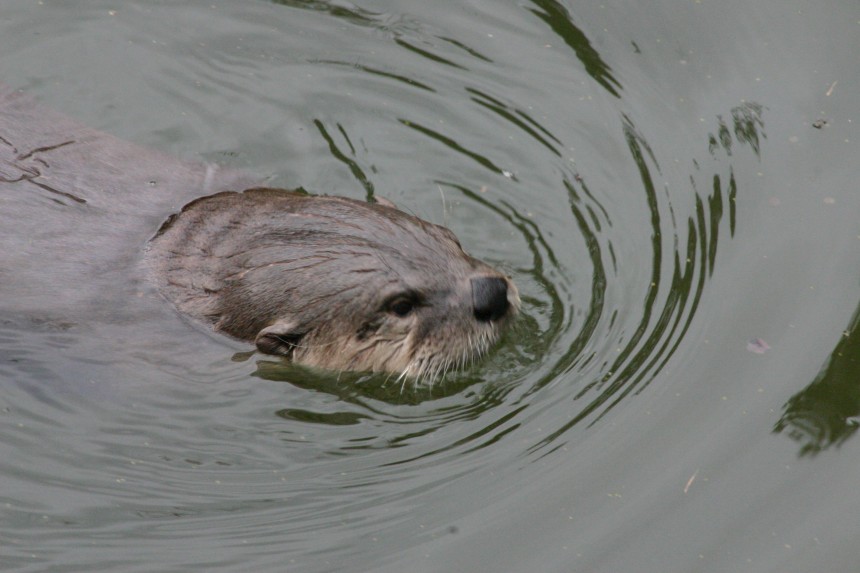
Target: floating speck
[(757, 346)]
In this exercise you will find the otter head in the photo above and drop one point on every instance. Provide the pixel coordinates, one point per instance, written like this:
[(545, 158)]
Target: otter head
[(332, 282)]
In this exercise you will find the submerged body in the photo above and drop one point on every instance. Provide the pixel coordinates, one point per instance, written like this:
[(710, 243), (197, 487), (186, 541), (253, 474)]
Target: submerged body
[(77, 208)]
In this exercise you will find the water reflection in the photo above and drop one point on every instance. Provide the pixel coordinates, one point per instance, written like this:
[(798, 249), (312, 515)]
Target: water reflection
[(359, 388), (616, 253), (747, 126), (682, 255), (518, 117), (398, 26), (560, 21), (615, 346), (346, 11), (352, 164), (825, 413), (616, 349), (379, 73), (454, 145)]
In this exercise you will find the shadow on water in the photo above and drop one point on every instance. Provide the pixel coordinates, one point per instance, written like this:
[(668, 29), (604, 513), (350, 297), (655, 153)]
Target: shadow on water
[(825, 413)]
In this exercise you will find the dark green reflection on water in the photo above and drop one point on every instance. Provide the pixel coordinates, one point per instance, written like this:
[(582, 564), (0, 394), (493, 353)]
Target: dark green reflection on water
[(328, 419), (559, 20), (451, 144), (691, 247), (747, 125), (427, 54), (348, 12), (358, 387), (748, 128), (365, 400), (533, 343), (589, 227), (517, 117), (398, 27), (661, 330), (683, 227), (825, 413), (411, 82), (352, 164)]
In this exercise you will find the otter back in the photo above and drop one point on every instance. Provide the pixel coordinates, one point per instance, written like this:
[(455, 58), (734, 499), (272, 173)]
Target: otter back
[(77, 207)]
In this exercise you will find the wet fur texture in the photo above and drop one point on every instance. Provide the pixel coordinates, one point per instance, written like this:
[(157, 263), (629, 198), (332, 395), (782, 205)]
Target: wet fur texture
[(329, 282)]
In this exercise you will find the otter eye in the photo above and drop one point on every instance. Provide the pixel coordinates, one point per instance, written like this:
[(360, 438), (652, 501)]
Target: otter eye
[(401, 306)]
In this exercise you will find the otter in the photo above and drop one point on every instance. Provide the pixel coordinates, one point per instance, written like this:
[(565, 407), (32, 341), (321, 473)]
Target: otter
[(332, 282), (92, 229)]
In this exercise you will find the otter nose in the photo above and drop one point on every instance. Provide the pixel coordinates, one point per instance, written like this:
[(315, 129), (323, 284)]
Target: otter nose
[(489, 298)]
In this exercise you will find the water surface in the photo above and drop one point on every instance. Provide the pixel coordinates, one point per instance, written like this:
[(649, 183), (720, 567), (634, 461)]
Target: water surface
[(671, 186)]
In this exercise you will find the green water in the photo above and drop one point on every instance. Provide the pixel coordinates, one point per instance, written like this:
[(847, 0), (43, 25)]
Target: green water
[(672, 186)]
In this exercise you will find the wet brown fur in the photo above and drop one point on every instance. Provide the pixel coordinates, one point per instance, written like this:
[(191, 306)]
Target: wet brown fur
[(322, 280)]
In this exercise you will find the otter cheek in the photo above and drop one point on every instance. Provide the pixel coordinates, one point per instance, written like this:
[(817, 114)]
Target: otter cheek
[(281, 339)]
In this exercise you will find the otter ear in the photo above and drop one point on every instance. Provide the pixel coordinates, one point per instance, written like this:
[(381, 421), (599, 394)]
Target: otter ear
[(280, 338)]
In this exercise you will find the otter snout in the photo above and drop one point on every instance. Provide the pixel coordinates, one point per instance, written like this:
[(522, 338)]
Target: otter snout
[(489, 298)]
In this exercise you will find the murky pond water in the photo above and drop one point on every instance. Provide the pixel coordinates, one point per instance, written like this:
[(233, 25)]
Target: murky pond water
[(672, 186)]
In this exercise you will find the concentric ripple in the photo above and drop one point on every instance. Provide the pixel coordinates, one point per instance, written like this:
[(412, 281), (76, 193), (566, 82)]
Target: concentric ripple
[(511, 127)]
